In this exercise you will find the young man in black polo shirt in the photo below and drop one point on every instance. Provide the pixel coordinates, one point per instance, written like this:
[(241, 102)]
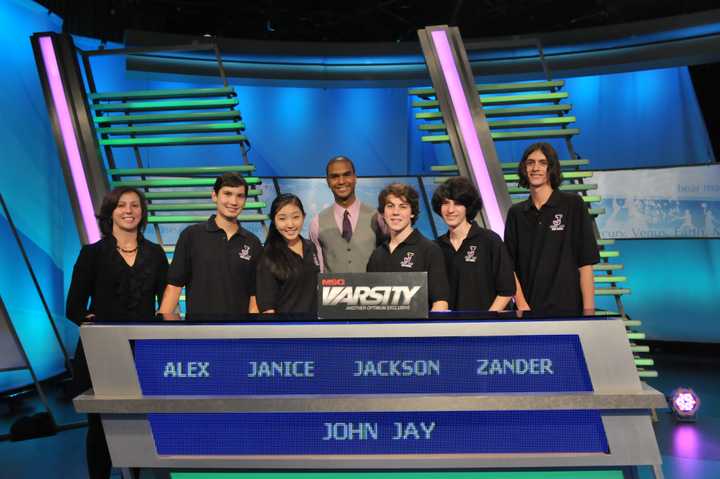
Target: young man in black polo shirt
[(480, 272), (551, 240), (215, 261), (407, 249)]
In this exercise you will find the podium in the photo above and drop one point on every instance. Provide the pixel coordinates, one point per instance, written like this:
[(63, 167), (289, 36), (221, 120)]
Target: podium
[(535, 397)]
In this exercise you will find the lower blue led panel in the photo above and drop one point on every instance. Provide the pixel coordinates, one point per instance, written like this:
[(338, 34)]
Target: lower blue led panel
[(457, 432)]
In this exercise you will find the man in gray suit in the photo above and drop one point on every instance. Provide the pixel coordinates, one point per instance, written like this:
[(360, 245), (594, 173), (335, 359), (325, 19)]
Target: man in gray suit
[(347, 232)]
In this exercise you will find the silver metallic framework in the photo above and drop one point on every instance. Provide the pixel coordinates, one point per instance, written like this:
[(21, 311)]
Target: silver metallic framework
[(482, 128), (623, 400)]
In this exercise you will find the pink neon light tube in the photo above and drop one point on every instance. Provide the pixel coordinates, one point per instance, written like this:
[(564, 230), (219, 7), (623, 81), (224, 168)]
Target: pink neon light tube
[(69, 140), (467, 131)]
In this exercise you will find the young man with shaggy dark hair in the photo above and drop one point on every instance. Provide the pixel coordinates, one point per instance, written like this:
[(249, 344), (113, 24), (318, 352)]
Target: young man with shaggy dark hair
[(479, 269), (551, 239)]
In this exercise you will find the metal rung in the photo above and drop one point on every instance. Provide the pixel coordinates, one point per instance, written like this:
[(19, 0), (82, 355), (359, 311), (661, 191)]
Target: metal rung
[(173, 129), (503, 112), (154, 219), (165, 105), (563, 164), (435, 138), (188, 194), (520, 99), (500, 87), (648, 374), (605, 242), (636, 336), (644, 362), (526, 110), (532, 134), (611, 291), (444, 168), (512, 166), (249, 205), (609, 279), (567, 175), (175, 140), (532, 122), (502, 124), (639, 349), (157, 94), (503, 99), (178, 182), (512, 135), (167, 117), (596, 211), (609, 254), (607, 266), (188, 170), (574, 187), (585, 198)]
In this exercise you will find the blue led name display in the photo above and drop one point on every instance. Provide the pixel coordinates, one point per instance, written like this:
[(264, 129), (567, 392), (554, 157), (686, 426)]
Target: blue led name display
[(542, 363), (459, 432)]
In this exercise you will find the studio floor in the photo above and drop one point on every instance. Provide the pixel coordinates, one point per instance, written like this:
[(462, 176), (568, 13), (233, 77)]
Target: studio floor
[(689, 450)]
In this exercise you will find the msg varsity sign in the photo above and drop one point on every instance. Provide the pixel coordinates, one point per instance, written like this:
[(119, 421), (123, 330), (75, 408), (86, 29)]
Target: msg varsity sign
[(373, 295)]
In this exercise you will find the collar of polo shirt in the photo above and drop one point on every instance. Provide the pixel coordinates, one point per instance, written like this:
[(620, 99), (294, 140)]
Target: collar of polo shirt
[(552, 201), (472, 233), (212, 227), (413, 238)]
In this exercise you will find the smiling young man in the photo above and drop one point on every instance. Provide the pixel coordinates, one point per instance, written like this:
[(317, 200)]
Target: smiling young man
[(346, 233), (215, 261), (551, 240), (480, 272), (407, 249)]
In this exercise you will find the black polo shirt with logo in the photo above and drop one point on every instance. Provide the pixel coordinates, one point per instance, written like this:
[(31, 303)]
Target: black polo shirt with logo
[(478, 271), (218, 273), (547, 247), (297, 294), (416, 253)]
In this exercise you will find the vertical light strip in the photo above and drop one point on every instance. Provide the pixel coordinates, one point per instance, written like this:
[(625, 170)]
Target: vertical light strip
[(467, 131), (69, 140)]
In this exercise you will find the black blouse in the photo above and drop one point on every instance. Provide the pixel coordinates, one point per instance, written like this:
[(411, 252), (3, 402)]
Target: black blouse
[(298, 294), (116, 291)]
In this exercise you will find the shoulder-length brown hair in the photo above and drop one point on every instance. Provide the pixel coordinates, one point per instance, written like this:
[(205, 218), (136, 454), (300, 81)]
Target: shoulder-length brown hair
[(109, 204)]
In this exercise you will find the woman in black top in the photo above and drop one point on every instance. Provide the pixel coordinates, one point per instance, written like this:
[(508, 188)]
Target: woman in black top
[(287, 272), (120, 277)]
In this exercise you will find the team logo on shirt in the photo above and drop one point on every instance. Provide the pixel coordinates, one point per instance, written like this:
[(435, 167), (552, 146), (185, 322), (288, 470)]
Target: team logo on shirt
[(557, 224), (245, 253), (407, 261), (471, 255)]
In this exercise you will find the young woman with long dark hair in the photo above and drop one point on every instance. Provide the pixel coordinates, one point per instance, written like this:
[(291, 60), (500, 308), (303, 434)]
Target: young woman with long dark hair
[(287, 272)]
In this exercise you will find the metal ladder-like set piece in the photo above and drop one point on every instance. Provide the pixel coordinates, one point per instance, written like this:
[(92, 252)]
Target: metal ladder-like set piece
[(537, 110)]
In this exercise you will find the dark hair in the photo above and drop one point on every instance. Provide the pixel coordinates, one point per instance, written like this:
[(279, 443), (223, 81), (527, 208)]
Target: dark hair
[(276, 253), (460, 190), (110, 202), (335, 159), (554, 173), (231, 179), (400, 190)]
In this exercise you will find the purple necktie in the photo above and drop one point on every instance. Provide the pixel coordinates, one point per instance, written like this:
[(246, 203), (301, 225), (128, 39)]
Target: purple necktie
[(347, 227)]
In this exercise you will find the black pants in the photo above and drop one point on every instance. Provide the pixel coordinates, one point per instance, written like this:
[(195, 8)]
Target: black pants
[(96, 449)]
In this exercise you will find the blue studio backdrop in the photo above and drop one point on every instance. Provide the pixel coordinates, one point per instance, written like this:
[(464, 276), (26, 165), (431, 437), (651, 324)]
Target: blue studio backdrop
[(295, 130)]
